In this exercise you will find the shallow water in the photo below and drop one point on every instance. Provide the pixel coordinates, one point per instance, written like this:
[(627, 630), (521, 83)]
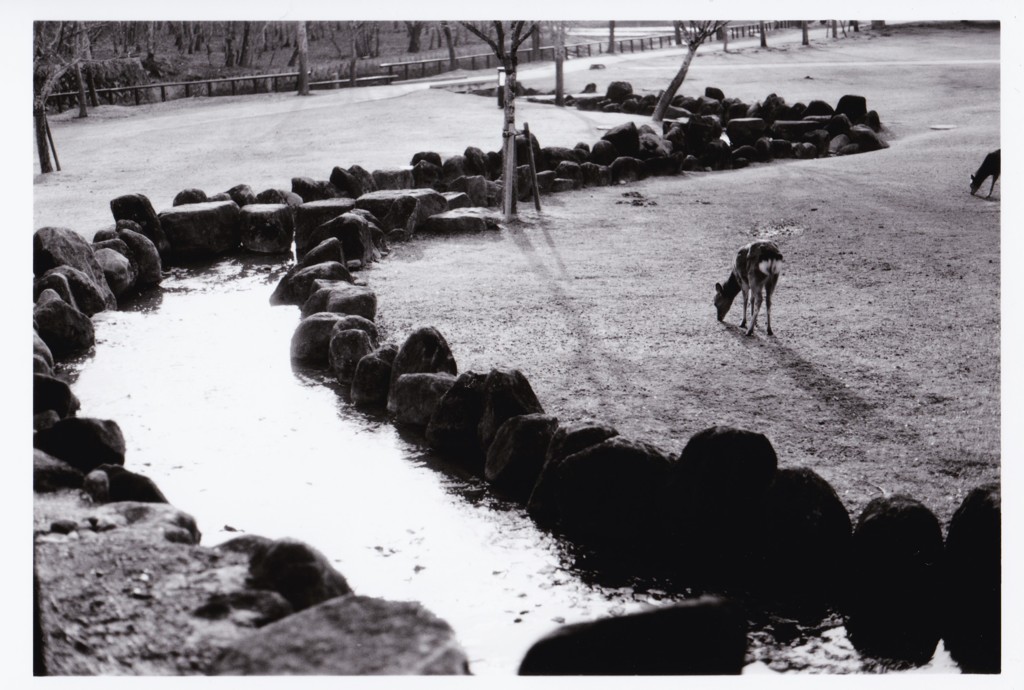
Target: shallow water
[(200, 380)]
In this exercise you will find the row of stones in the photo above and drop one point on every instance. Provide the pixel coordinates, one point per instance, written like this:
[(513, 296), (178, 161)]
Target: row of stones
[(722, 514)]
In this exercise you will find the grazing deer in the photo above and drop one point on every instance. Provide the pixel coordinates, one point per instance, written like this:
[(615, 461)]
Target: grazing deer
[(757, 267), (989, 166)]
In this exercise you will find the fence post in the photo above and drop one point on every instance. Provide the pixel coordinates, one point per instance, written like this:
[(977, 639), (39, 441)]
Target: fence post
[(135, 92)]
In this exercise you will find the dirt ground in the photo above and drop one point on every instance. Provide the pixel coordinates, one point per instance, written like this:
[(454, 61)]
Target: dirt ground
[(884, 372)]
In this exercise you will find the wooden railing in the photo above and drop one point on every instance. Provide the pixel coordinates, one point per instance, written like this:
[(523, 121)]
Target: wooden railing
[(411, 69)]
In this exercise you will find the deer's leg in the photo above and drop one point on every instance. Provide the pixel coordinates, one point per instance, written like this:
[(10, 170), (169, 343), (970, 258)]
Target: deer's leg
[(744, 289), (755, 305), (992, 187), (768, 289)]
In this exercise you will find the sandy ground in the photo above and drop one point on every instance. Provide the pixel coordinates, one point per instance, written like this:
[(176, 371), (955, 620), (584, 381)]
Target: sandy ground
[(884, 372)]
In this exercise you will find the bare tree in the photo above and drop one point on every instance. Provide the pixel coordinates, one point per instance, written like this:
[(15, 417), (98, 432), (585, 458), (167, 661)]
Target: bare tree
[(806, 35), (415, 30), (677, 29), (764, 34), (835, 31), (558, 30), (508, 37), (697, 34), (611, 37), (303, 51), (446, 28)]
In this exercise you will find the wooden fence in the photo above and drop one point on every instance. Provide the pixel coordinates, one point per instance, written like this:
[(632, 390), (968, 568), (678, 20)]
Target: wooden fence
[(412, 69)]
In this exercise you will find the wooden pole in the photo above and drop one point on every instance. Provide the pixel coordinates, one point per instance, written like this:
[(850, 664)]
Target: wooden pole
[(533, 166), (49, 137), (510, 145)]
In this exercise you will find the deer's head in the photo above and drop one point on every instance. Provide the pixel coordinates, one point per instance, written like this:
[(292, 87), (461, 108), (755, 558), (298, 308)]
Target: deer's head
[(722, 303)]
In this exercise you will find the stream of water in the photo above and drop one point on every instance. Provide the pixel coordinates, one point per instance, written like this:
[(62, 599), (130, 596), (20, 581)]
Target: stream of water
[(200, 380)]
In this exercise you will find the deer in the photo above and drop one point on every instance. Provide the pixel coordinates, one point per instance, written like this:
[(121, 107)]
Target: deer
[(989, 166), (757, 267)]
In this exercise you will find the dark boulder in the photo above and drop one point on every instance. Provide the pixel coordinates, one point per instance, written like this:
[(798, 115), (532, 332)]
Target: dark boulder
[(803, 543), (41, 350), (371, 380), (461, 221), (429, 156), (267, 228), (570, 170), (347, 184), (745, 131), (714, 93), (50, 474), (313, 190), (722, 475), (853, 107), (311, 340), (452, 428), (660, 166), (619, 91), (456, 200), (474, 187), (311, 215), (781, 148), (506, 394), (516, 455), (242, 195), (278, 196), (137, 207), (625, 169), (866, 138), (84, 443), (625, 138), (553, 155), (117, 269), (298, 572), (567, 440), (58, 283), (302, 283), (653, 146), (200, 231), (189, 196), (424, 351), (972, 582), (145, 257), (56, 247), (65, 330), (339, 297), (838, 124), (893, 593), (706, 636), (476, 161), (346, 348), (113, 483), (414, 397), (404, 210), (453, 168), (51, 393), (348, 636), (595, 175), (818, 107), (610, 494), (604, 152), (356, 235), (393, 178), (426, 175)]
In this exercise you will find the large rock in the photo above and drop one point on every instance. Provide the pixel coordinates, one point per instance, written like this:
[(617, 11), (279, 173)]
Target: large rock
[(803, 539), (146, 257), (50, 474), (267, 228), (117, 269), (792, 130), (298, 572), (328, 251), (893, 594), (707, 636), (714, 489), (355, 232), (347, 184), (201, 231), (506, 394), (424, 351), (279, 196), (853, 107), (89, 297), (604, 152), (310, 190), (461, 221), (415, 397), (311, 340), (55, 282), (973, 582), (618, 91), (54, 247), (41, 350), (349, 636), (242, 195), (113, 483), (346, 348), (51, 393), (138, 208), (700, 131), (866, 138), (393, 178), (372, 378), (473, 186), (403, 210), (297, 287), (426, 175), (745, 131), (311, 215), (341, 298), (567, 440), (610, 494), (625, 138), (189, 196), (84, 443), (515, 457), (65, 330), (625, 169), (452, 428), (476, 161), (595, 175)]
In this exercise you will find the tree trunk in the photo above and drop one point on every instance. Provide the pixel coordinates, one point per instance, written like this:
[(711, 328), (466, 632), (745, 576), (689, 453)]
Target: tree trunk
[(677, 29), (535, 46), (353, 35), (559, 63), (415, 29), (303, 49), (453, 63), (509, 134), (835, 31), (151, 41), (83, 111), (673, 86), (245, 54), (42, 146), (611, 37), (764, 35), (806, 38)]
